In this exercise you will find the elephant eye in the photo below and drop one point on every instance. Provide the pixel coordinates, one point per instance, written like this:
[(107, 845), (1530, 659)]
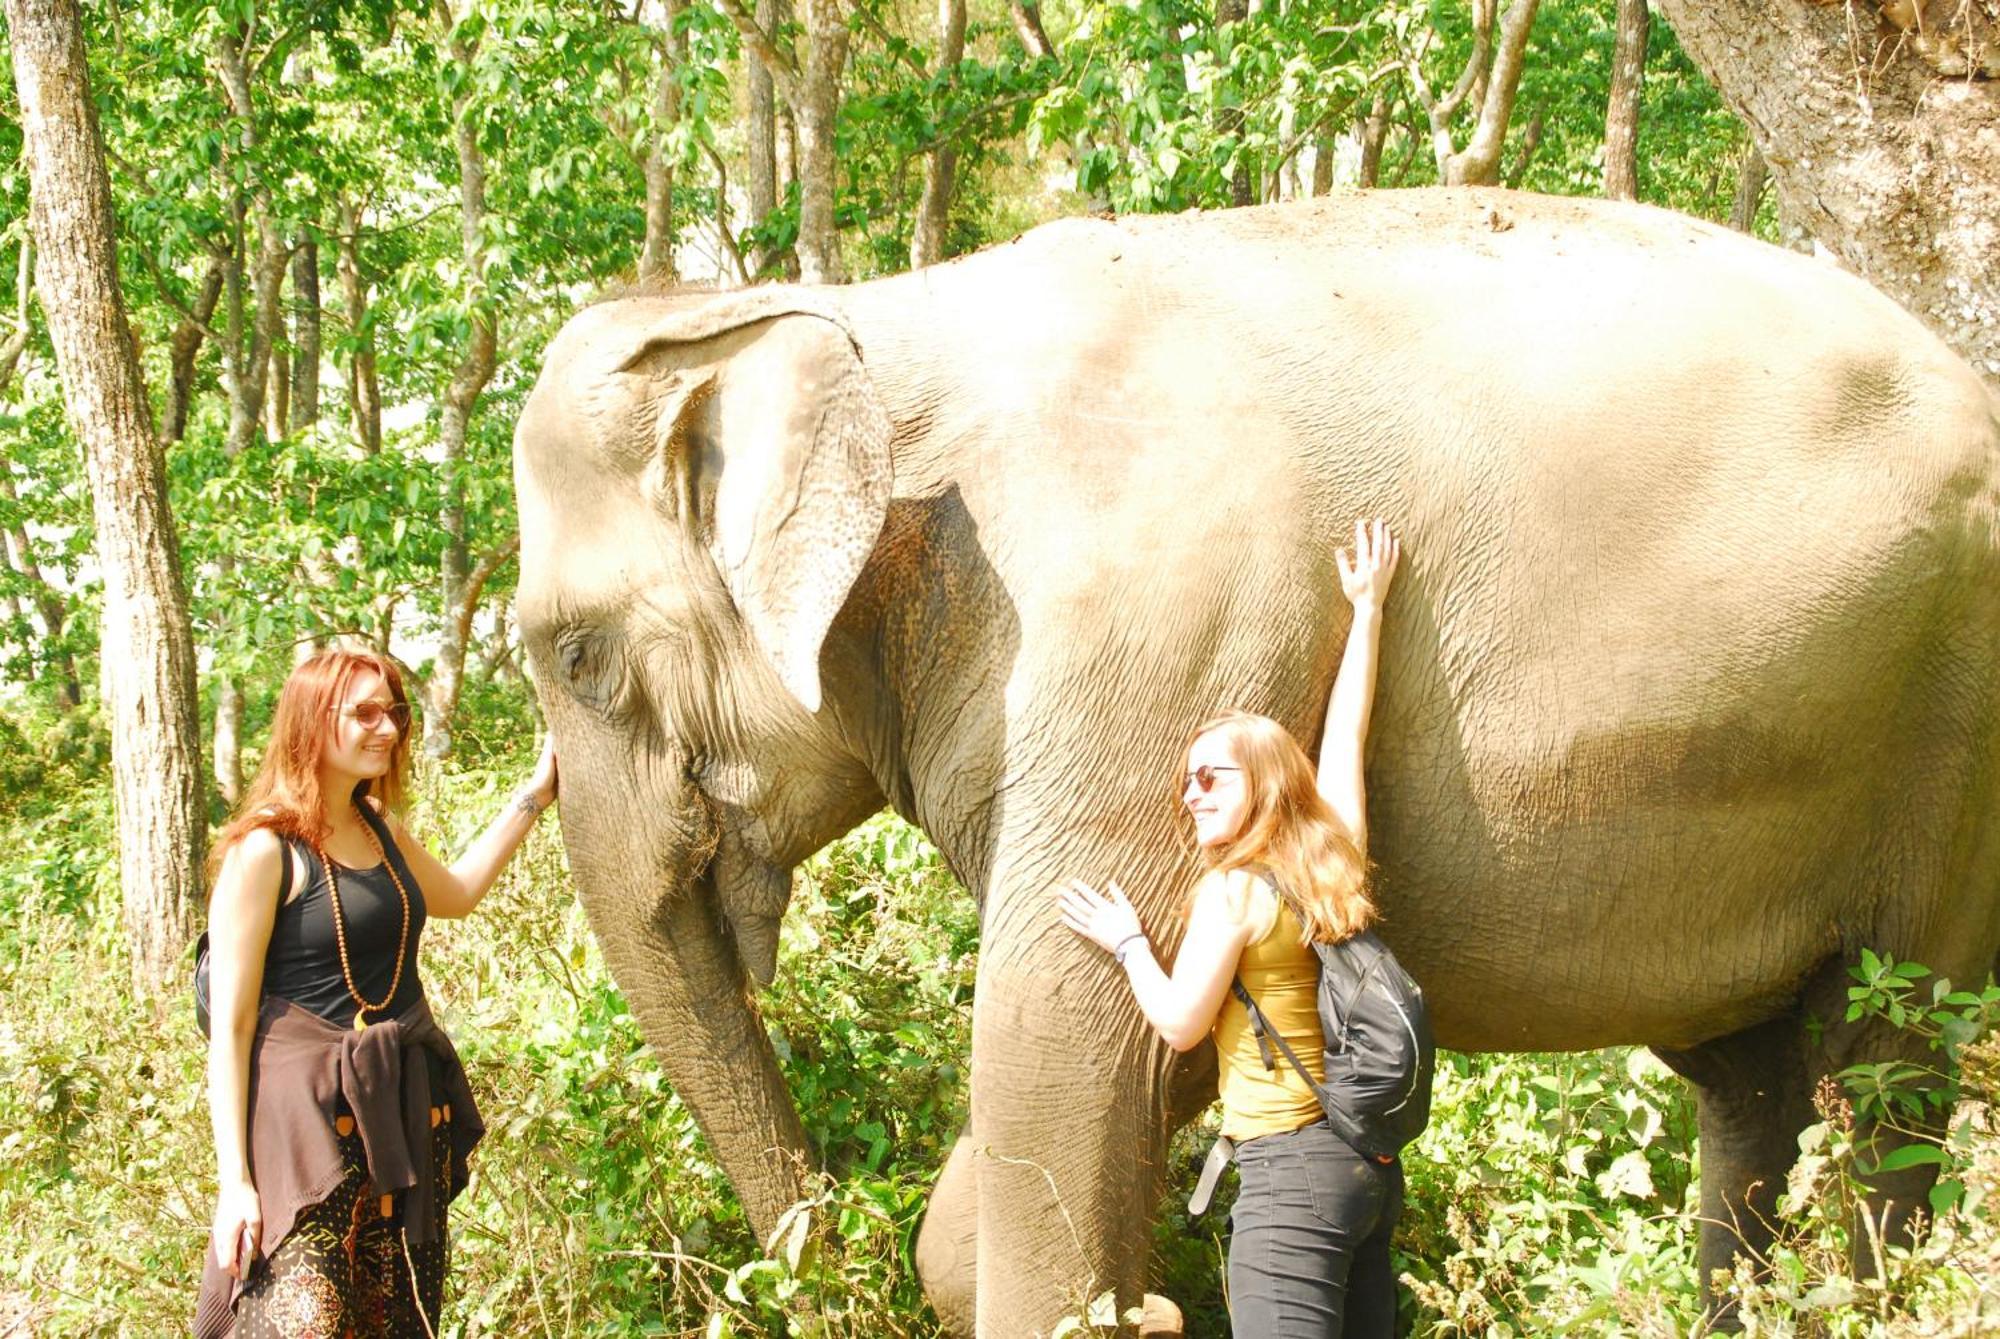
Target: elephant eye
[(591, 668)]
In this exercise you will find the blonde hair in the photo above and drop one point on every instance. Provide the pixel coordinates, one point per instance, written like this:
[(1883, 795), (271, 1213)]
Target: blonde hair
[(1289, 829)]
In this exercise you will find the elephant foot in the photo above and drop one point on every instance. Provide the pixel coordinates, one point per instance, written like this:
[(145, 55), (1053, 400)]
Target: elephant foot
[(1159, 1316)]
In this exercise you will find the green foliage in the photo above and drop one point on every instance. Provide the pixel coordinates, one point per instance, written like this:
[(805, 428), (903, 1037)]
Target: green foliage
[(1552, 1194)]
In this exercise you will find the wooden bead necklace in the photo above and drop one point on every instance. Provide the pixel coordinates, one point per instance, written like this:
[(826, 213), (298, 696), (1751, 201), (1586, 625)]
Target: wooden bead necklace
[(340, 930)]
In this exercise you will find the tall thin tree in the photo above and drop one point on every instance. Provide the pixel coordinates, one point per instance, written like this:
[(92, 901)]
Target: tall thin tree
[(941, 163), (147, 646), (1621, 112)]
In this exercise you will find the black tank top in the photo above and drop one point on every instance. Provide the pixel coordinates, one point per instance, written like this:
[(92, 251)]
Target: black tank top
[(303, 962)]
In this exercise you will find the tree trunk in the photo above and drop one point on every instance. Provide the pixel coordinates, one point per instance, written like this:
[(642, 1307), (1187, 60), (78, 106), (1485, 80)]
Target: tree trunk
[(761, 180), (48, 601), (1479, 163), (1894, 168), (941, 163), (1751, 178), (1374, 134), (816, 105), (468, 383), (277, 399), (1229, 119), (24, 288), (147, 649), (364, 395), (267, 276), (1621, 113), (1027, 17), (305, 334), (184, 349), (656, 259)]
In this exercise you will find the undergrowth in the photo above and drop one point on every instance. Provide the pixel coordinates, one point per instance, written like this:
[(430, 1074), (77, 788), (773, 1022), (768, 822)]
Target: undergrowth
[(1551, 1195)]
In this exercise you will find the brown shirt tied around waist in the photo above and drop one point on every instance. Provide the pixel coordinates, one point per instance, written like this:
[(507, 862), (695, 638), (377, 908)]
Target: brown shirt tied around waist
[(303, 1071)]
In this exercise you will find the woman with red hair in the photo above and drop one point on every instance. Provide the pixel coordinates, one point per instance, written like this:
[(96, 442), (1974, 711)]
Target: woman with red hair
[(341, 1113), (1285, 846)]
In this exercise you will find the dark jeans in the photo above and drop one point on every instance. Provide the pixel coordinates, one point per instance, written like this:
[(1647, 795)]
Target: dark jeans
[(1309, 1239)]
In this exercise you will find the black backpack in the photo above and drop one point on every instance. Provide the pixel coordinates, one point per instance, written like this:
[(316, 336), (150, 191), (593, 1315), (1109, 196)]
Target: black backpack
[(1379, 1053)]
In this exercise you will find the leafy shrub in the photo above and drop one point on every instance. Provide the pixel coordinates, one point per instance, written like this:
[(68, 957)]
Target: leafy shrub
[(1552, 1194)]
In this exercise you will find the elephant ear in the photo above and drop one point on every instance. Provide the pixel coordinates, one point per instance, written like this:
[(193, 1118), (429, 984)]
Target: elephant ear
[(777, 457)]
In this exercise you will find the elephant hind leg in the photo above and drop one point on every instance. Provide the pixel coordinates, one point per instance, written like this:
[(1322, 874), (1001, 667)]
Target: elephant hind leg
[(1754, 1095)]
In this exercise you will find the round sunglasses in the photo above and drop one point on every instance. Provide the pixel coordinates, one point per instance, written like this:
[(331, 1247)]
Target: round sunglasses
[(1203, 777), (368, 715)]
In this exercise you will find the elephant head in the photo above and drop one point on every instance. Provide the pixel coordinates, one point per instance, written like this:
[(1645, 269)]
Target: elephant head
[(701, 481)]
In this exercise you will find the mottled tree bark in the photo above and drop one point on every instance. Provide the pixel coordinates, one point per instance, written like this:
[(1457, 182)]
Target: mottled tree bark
[(941, 163), (1621, 113), (461, 399), (1490, 80), (656, 258), (817, 101), (24, 287), (1229, 120), (184, 349), (1374, 134), (267, 274), (1751, 178), (1890, 159), (761, 131), (49, 604), (1027, 17), (364, 394), (305, 334), (147, 649)]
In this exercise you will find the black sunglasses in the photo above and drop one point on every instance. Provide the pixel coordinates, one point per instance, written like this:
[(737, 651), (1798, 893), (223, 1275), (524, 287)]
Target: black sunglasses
[(1203, 777), (368, 715)]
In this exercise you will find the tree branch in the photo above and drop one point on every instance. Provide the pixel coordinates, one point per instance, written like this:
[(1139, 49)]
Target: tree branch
[(722, 227), (475, 586), (783, 67)]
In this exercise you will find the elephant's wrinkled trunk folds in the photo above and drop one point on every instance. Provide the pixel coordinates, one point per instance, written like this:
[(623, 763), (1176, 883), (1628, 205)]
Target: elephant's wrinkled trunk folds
[(683, 981)]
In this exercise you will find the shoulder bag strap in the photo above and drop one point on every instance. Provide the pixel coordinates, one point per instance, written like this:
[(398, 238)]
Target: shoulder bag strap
[(1266, 1034)]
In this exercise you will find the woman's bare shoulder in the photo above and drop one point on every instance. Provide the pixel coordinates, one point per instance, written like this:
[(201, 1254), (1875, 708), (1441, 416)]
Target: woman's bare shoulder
[(1231, 893)]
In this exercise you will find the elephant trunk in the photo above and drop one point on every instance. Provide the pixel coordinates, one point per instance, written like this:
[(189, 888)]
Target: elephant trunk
[(689, 991)]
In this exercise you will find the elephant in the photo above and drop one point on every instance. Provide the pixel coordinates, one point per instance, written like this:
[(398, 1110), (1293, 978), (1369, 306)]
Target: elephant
[(1688, 693)]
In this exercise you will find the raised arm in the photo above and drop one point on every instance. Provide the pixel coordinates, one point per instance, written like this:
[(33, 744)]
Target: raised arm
[(1364, 579), (454, 890)]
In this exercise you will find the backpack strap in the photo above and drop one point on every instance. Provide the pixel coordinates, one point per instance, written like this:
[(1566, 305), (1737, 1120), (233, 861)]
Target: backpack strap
[(1261, 1028)]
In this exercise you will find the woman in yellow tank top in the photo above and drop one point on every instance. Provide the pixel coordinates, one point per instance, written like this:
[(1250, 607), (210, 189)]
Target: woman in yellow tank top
[(1284, 845)]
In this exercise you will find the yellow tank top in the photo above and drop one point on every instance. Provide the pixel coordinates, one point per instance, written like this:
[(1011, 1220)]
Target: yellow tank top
[(1282, 975)]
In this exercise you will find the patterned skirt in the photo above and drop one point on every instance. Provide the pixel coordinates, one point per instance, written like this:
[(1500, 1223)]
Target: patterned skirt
[(344, 1270)]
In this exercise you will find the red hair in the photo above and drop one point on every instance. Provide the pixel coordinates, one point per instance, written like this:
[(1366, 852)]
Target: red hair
[(1289, 829), (285, 796)]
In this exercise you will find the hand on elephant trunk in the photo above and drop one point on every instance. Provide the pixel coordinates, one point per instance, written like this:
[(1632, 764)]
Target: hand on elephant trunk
[(1106, 919), (542, 783)]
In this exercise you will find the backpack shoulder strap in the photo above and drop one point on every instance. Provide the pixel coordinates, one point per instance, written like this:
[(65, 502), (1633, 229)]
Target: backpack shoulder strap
[(1261, 1029)]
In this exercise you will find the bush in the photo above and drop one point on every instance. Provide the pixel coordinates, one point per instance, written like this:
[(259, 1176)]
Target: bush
[(1552, 1194)]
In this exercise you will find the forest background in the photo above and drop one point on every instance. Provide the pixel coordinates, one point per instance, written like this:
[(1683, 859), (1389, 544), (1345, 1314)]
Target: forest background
[(345, 229)]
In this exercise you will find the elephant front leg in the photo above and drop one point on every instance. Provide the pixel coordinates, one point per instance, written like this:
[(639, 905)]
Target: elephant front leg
[(948, 1244), (1068, 1134)]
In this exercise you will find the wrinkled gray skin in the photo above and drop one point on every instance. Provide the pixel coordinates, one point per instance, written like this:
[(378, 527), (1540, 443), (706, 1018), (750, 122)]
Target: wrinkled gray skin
[(1687, 693)]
